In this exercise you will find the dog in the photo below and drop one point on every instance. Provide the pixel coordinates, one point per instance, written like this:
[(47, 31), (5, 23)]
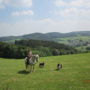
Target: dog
[(41, 65), (59, 66)]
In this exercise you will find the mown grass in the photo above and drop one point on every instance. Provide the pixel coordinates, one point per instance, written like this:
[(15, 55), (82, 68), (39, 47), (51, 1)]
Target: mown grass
[(75, 74)]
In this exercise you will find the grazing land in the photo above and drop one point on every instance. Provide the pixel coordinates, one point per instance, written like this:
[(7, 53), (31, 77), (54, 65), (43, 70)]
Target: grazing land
[(75, 74), (80, 42)]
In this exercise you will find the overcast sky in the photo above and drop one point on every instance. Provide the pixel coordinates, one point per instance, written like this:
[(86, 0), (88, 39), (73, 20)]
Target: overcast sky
[(18, 17)]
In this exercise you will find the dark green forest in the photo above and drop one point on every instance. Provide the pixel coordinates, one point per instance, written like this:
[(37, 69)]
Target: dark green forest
[(43, 48)]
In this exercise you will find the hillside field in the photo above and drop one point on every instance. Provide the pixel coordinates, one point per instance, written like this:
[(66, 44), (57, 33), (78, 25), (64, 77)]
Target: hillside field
[(75, 74), (78, 38), (80, 42)]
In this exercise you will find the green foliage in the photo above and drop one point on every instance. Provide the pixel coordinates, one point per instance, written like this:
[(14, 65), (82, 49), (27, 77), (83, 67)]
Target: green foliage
[(44, 51), (12, 51), (47, 48), (56, 52), (88, 48), (43, 48), (39, 43)]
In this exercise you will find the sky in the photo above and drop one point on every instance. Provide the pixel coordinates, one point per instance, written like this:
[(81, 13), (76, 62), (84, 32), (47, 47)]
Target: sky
[(19, 17)]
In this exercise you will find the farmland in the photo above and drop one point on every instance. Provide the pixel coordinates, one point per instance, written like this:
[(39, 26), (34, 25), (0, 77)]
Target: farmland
[(75, 74)]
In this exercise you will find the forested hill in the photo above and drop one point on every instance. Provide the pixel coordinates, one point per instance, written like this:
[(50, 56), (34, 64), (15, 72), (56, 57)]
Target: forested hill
[(43, 48), (47, 36)]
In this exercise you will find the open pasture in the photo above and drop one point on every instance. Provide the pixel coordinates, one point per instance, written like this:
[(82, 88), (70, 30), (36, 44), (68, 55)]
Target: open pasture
[(75, 74)]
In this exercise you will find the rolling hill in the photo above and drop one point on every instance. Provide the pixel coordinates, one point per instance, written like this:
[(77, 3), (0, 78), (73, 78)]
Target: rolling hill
[(47, 36), (80, 40)]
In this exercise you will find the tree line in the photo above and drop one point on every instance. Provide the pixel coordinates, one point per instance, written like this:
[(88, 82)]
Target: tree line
[(43, 48)]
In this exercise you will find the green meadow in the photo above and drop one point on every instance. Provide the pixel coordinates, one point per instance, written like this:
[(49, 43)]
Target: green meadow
[(65, 40), (75, 74)]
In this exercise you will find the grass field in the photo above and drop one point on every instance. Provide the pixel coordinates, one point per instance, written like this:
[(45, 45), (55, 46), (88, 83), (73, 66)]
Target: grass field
[(65, 40), (75, 40), (75, 74)]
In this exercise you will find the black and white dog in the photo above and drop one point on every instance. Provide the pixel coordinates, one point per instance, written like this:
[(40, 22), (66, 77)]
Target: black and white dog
[(41, 65), (59, 66)]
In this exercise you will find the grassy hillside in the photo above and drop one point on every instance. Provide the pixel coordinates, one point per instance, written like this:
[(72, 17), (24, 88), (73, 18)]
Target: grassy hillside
[(80, 42), (66, 40), (75, 74)]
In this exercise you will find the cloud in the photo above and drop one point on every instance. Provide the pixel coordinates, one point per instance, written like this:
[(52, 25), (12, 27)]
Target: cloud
[(73, 9), (67, 12), (21, 13), (74, 13), (19, 3), (43, 26), (73, 3), (16, 3), (1, 4)]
